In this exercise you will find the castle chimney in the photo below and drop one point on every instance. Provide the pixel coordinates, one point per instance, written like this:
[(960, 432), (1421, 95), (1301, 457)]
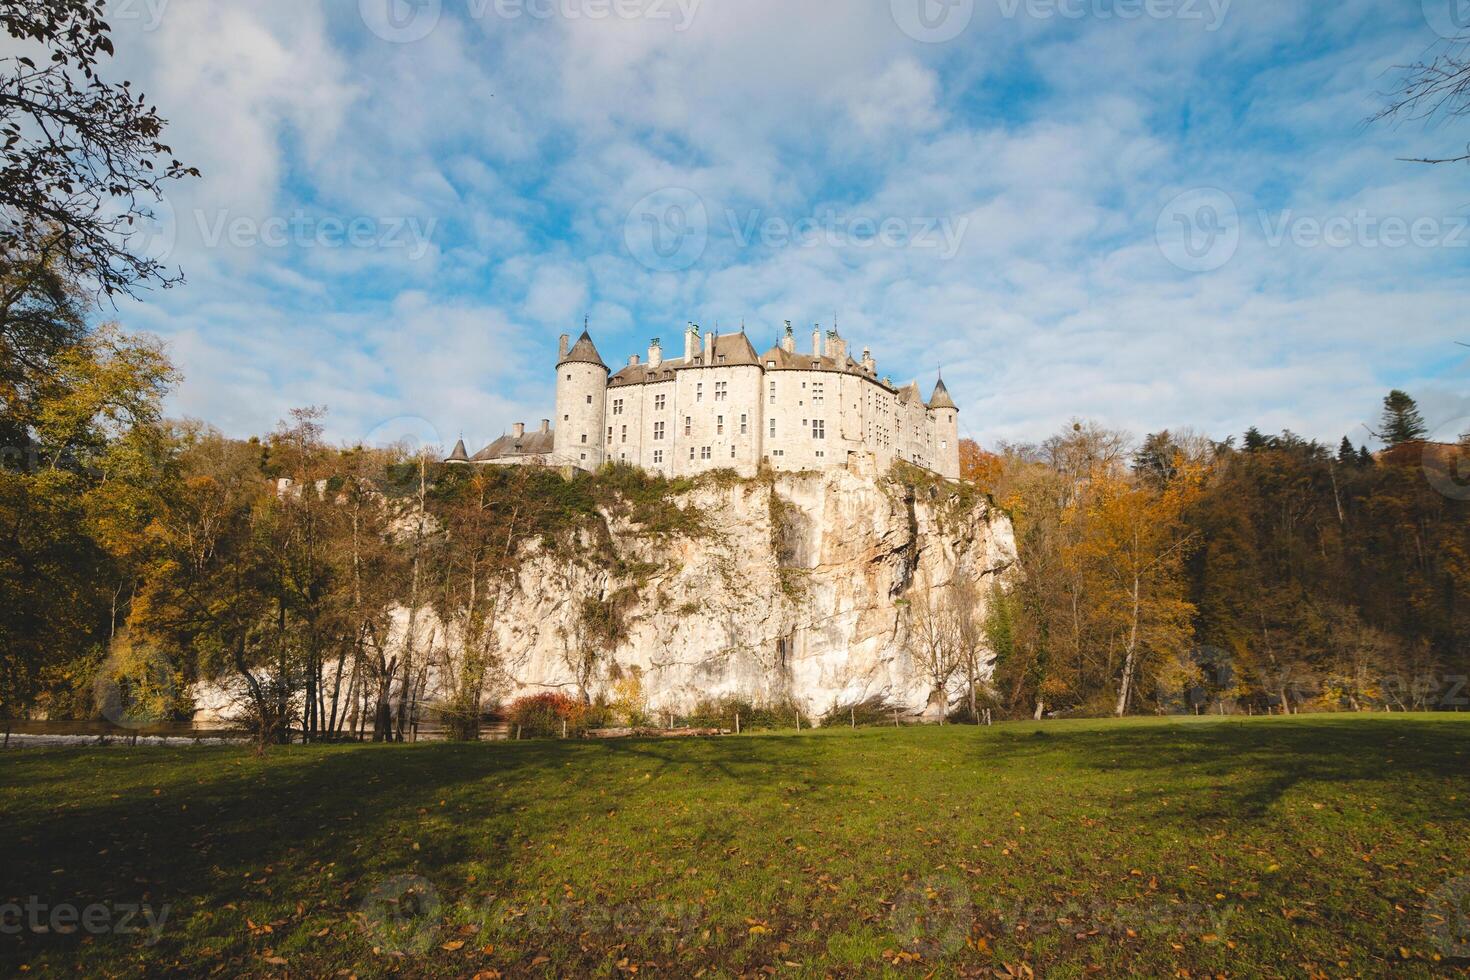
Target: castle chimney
[(691, 344), (655, 353), (836, 348), (816, 341), (788, 342), (633, 360), (545, 426), (563, 347), (519, 429), (869, 365), (709, 348)]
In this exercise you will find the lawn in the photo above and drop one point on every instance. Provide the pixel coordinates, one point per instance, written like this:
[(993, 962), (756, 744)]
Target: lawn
[(1291, 847)]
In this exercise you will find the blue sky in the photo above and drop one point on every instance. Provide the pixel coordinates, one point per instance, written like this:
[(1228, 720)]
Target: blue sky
[(1155, 213)]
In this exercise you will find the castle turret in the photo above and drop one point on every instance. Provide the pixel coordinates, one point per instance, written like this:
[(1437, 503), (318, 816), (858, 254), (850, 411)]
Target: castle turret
[(581, 405), (946, 432), (655, 353)]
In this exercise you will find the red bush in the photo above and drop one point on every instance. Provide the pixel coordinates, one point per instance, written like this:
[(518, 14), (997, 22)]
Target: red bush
[(542, 715)]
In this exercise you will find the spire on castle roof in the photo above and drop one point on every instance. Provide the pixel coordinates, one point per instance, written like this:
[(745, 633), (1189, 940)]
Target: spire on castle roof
[(584, 351), (941, 398), (460, 454)]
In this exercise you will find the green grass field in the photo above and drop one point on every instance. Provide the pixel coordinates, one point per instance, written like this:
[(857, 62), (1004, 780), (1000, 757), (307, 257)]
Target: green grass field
[(1303, 846)]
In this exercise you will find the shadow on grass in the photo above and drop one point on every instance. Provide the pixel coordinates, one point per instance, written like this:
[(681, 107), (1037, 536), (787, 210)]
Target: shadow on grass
[(1249, 766), (86, 825)]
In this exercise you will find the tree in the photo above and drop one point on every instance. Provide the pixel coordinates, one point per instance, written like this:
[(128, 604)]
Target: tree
[(1429, 90), (933, 638), (83, 158), (1401, 421), (1135, 552), (977, 465), (1346, 454), (482, 520), (74, 501)]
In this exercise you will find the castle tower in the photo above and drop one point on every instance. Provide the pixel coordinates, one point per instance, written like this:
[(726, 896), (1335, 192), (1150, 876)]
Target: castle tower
[(946, 432), (581, 405)]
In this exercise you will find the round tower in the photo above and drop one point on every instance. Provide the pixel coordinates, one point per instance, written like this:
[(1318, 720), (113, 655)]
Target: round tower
[(581, 405), (946, 432)]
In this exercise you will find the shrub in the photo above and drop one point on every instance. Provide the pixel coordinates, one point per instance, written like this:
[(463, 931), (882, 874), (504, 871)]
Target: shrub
[(721, 712), (870, 711), (543, 715)]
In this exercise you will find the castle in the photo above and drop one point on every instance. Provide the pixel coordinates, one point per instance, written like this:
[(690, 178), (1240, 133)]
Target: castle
[(723, 406)]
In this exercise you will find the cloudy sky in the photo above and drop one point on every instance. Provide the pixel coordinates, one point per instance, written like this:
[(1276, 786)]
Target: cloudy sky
[(1156, 213)]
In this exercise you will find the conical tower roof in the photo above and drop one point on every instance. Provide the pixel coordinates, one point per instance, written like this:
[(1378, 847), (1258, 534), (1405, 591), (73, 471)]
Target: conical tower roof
[(584, 351), (459, 455), (940, 398)]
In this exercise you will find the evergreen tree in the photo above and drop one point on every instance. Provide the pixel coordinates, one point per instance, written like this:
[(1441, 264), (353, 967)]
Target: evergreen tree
[(1365, 458), (1254, 440), (1346, 454), (1401, 420)]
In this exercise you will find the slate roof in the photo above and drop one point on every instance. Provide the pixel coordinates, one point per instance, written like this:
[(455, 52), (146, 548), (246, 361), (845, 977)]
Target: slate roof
[(583, 351), (804, 362), (730, 350), (940, 398), (459, 455), (530, 444)]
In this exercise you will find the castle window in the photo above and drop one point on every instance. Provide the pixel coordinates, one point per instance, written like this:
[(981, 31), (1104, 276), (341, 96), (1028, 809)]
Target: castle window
[(744, 429), (658, 402), (609, 435), (773, 392), (770, 364), (658, 430), (589, 399), (658, 457), (722, 390), (699, 392), (704, 452), (618, 406), (732, 452), (691, 452), (625, 433), (720, 425), (773, 428), (688, 423), (819, 429), (584, 438), (816, 393)]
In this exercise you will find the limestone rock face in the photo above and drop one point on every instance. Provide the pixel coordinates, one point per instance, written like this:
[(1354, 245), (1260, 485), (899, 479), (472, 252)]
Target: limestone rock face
[(800, 590)]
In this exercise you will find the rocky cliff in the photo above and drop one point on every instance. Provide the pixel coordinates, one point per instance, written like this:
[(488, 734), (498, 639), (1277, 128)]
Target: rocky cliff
[(790, 588), (800, 588)]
